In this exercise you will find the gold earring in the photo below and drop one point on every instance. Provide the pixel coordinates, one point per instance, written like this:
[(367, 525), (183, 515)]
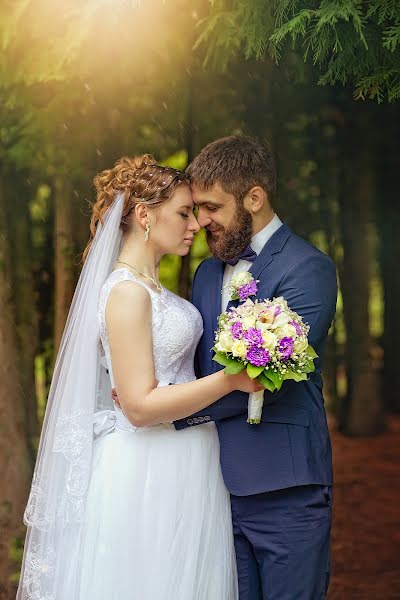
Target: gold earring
[(147, 232)]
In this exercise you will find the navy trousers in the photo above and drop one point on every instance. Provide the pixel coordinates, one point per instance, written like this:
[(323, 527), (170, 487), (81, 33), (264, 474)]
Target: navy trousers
[(282, 543)]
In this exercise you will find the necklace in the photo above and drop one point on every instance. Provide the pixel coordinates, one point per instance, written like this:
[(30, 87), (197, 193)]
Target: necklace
[(158, 285)]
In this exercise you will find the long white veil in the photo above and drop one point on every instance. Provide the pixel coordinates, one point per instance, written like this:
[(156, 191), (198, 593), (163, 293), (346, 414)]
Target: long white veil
[(78, 398)]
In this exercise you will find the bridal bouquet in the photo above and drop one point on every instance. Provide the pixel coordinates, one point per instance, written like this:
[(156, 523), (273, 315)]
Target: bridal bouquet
[(265, 337)]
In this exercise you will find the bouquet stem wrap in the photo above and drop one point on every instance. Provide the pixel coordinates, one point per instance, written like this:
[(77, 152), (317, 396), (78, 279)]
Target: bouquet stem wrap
[(255, 406)]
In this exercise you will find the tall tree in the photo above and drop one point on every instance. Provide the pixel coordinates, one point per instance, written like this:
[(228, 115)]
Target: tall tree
[(19, 226), (363, 410), (64, 271), (15, 466), (386, 159)]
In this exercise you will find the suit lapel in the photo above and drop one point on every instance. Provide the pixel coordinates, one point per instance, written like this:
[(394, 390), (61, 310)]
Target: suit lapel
[(272, 247)]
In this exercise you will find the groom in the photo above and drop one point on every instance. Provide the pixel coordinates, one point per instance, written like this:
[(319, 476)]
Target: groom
[(279, 473)]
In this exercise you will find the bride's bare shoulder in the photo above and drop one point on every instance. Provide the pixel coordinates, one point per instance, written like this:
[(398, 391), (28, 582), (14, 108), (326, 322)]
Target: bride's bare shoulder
[(128, 299)]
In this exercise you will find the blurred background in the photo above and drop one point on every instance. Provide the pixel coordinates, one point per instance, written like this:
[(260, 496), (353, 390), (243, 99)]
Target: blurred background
[(83, 82)]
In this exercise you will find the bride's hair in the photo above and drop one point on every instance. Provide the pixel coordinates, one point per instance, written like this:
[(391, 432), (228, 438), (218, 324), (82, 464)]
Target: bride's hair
[(141, 180)]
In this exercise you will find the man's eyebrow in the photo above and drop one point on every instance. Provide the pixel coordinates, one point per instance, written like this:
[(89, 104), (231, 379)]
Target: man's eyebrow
[(210, 202)]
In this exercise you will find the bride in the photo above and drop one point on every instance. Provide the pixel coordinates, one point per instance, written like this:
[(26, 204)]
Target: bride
[(122, 505)]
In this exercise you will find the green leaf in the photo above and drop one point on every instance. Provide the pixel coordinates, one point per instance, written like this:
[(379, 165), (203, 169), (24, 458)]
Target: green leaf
[(234, 368), (267, 383), (292, 375), (311, 352), (253, 371), (276, 378), (309, 367), (222, 359)]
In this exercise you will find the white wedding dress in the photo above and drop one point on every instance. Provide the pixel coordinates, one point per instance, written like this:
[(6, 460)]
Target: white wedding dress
[(157, 519)]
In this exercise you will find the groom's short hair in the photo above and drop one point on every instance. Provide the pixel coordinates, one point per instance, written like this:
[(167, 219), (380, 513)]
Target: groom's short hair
[(237, 163)]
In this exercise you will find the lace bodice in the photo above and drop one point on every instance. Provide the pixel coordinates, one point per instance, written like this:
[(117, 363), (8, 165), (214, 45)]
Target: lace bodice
[(176, 327)]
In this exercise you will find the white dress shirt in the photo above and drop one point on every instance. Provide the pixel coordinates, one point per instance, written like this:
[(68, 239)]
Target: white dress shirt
[(257, 243)]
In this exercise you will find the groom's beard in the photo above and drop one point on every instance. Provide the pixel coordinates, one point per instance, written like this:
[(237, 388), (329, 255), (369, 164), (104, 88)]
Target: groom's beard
[(231, 241)]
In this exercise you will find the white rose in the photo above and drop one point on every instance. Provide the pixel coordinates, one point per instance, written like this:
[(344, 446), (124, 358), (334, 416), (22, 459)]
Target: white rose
[(270, 339), (263, 326), (248, 321), (300, 345), (241, 279), (267, 316), (280, 301), (225, 342), (286, 331), (258, 308), (280, 320), (245, 309), (239, 348)]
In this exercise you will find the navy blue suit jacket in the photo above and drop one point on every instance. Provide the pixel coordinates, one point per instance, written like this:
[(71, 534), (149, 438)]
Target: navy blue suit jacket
[(291, 446)]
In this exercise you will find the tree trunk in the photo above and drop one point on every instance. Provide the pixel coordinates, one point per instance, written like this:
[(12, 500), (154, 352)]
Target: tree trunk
[(362, 412), (14, 456), (387, 208), (25, 308), (64, 255), (325, 155)]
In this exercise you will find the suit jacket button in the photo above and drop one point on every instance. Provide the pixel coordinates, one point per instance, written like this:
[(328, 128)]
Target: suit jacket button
[(195, 420), (189, 421), (201, 419), (207, 418)]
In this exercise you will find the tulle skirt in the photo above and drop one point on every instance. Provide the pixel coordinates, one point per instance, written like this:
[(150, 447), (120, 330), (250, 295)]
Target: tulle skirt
[(158, 522)]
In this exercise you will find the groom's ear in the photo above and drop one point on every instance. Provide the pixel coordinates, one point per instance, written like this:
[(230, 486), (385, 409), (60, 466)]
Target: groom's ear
[(255, 199)]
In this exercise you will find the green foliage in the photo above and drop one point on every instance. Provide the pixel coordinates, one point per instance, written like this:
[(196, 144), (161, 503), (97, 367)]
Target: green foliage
[(251, 20), (292, 375), (16, 551), (275, 377), (350, 41), (232, 366), (311, 352), (253, 371), (266, 382)]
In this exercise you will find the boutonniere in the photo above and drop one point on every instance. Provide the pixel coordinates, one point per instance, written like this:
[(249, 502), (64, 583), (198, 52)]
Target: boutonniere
[(242, 286)]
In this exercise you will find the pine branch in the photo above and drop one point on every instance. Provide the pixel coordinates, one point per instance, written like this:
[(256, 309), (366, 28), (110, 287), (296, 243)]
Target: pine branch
[(349, 41), (391, 37)]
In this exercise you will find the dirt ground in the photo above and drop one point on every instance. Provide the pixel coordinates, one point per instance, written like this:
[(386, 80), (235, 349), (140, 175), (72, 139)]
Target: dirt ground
[(366, 517)]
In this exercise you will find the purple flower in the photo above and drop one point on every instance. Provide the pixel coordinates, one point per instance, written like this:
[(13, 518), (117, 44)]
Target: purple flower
[(297, 327), (258, 357), (237, 330), (253, 336), (247, 290), (278, 311), (286, 347)]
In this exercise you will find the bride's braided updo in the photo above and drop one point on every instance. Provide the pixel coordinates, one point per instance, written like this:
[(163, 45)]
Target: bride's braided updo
[(141, 180)]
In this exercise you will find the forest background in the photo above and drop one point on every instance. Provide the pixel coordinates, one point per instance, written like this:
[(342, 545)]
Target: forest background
[(84, 82)]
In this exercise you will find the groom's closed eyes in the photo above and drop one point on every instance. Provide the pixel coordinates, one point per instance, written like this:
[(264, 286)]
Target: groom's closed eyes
[(206, 207)]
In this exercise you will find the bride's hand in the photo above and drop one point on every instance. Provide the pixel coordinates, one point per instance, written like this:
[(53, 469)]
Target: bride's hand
[(242, 382)]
